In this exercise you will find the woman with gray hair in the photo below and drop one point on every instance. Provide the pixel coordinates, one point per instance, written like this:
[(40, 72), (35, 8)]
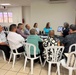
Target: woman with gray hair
[(34, 39), (65, 30)]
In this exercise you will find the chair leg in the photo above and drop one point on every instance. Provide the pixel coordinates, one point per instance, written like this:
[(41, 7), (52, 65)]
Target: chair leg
[(70, 71), (49, 68), (25, 62), (4, 57), (10, 58), (32, 66), (58, 68), (14, 57), (40, 61), (44, 63)]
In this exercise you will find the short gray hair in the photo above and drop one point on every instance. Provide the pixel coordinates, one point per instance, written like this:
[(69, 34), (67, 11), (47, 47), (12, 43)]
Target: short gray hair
[(32, 31)]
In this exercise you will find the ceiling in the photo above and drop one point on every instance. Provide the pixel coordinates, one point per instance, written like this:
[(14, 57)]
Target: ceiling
[(19, 2)]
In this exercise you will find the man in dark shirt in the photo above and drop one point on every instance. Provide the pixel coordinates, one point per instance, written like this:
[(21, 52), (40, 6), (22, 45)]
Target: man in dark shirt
[(70, 39)]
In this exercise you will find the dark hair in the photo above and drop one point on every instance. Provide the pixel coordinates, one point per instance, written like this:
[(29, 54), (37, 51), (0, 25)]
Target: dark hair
[(73, 27), (34, 24), (32, 31), (66, 25), (12, 26), (47, 25), (19, 24)]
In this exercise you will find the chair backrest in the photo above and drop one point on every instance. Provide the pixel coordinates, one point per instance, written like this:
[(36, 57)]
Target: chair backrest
[(54, 53), (72, 46), (12, 46), (28, 48), (71, 61)]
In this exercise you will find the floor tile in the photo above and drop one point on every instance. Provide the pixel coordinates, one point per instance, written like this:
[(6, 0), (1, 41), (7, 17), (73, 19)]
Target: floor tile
[(3, 72), (11, 73), (16, 68), (21, 74), (1, 65), (27, 70), (44, 72), (37, 65), (36, 71), (6, 66)]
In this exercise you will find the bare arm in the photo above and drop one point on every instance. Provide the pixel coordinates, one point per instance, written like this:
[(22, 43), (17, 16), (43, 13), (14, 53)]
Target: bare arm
[(3, 43)]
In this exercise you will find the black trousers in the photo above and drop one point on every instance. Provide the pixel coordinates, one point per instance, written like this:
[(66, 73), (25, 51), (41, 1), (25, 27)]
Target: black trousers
[(6, 50), (20, 49)]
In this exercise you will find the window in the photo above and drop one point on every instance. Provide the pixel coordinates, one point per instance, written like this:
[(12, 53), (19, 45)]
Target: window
[(6, 17), (1, 17)]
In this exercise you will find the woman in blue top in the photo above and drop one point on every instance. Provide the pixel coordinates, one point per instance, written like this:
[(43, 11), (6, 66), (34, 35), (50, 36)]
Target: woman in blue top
[(47, 28)]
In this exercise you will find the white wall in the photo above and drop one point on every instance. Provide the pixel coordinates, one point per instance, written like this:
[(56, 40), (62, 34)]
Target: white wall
[(17, 15), (26, 10), (43, 12)]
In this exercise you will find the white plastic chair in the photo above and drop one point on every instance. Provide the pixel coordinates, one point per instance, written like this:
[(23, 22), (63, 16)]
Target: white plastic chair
[(66, 64), (4, 57), (70, 48), (56, 54), (12, 53), (27, 55)]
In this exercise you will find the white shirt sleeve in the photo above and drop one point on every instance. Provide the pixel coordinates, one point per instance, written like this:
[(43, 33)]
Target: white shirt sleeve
[(0, 40), (21, 39)]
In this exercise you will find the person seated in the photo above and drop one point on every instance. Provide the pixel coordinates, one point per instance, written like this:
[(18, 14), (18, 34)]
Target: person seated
[(65, 30), (4, 44), (15, 38), (70, 39), (34, 39), (27, 30), (47, 28), (36, 27), (20, 30), (52, 40)]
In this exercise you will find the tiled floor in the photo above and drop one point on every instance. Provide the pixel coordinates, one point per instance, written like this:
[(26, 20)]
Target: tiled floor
[(6, 69)]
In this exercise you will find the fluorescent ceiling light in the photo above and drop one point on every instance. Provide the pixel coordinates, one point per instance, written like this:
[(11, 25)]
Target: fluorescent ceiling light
[(5, 4)]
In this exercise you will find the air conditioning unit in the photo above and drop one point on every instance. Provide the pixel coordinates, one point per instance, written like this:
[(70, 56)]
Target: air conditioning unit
[(58, 1)]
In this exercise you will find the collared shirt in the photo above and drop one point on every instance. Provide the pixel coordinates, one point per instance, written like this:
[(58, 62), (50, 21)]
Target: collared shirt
[(2, 37), (21, 33), (26, 32), (16, 39), (69, 40)]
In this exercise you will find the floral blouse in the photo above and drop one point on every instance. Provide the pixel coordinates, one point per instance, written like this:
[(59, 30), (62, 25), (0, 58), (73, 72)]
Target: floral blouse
[(53, 41)]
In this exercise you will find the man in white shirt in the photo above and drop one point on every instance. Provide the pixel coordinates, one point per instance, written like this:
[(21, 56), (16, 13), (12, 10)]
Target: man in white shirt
[(15, 38), (3, 43)]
